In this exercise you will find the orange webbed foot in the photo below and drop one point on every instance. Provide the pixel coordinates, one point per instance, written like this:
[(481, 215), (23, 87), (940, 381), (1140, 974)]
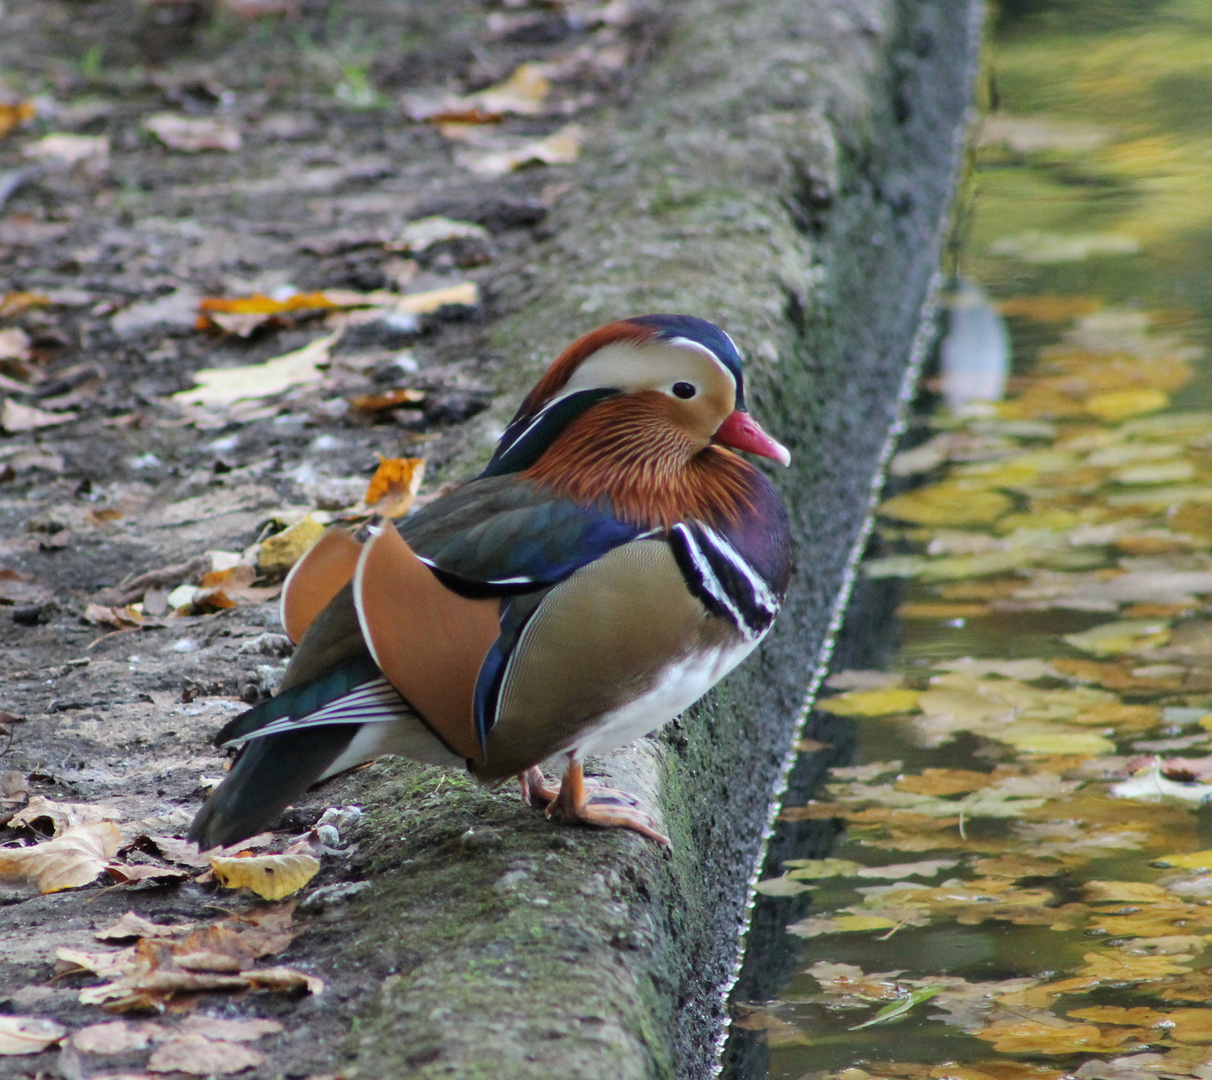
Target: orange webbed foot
[(596, 804)]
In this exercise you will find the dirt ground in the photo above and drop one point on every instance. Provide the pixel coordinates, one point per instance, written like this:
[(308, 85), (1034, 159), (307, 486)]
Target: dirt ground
[(107, 247)]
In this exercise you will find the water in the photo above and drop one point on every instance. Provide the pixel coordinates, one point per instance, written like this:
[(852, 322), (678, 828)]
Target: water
[(1052, 938)]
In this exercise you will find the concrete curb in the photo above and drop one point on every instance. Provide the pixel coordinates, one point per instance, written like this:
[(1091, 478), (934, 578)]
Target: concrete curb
[(785, 169)]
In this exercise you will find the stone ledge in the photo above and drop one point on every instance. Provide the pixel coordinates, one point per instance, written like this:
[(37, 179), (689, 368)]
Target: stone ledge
[(785, 169)]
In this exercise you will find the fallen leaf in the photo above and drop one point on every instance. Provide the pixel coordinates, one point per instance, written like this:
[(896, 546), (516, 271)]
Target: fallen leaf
[(61, 815), (781, 886), (132, 925), (870, 702), (420, 235), (278, 553), (562, 148), (220, 387), (1128, 635), (191, 134), (949, 503), (117, 1037), (74, 857), (15, 417), (464, 294), (269, 876), (60, 151), (1120, 404), (394, 486), (15, 344), (12, 116), (28, 1034), (392, 399), (201, 1056)]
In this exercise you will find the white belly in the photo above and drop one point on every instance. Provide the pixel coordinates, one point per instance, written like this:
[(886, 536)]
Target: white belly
[(682, 685)]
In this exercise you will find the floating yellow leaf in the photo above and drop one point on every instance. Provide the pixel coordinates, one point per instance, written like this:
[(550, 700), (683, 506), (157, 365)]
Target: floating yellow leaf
[(870, 702), (1120, 968), (1120, 404), (269, 876), (1049, 308), (1130, 892), (948, 503), (821, 868), (786, 885), (1194, 860), (1127, 635), (1053, 1037), (1114, 1014), (1060, 742)]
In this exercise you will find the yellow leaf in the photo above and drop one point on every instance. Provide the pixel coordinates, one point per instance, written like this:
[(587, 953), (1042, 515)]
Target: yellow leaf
[(1195, 860), (871, 702), (1117, 967), (1114, 1014), (270, 876), (949, 503), (1190, 1025), (280, 552), (1120, 404), (1131, 892), (1046, 742), (1053, 1037), (851, 923), (1125, 635)]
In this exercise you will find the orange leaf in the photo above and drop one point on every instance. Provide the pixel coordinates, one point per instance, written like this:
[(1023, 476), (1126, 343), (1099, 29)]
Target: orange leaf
[(394, 485)]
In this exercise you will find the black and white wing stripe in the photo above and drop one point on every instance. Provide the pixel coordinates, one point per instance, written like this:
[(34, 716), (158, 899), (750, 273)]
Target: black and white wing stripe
[(722, 578)]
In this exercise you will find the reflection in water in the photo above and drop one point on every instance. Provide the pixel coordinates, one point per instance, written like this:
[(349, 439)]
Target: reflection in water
[(974, 355), (992, 903)]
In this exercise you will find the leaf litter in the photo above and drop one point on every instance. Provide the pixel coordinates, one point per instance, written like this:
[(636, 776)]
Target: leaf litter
[(1055, 826)]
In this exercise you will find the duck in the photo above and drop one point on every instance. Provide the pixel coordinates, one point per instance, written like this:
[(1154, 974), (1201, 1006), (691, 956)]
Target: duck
[(614, 560)]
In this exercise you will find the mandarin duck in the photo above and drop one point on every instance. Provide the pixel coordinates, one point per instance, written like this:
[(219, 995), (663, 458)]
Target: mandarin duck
[(613, 561)]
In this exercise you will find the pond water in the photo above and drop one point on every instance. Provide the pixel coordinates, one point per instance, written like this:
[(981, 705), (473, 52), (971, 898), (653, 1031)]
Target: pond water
[(1019, 885)]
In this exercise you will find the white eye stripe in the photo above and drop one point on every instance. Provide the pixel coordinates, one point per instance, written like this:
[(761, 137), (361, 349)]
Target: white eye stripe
[(687, 343)]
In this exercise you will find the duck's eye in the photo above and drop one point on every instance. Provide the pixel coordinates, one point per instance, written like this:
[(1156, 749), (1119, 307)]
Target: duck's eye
[(684, 390)]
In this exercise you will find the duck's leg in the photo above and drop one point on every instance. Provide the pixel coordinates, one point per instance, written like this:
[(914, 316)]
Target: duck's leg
[(595, 804), (535, 791)]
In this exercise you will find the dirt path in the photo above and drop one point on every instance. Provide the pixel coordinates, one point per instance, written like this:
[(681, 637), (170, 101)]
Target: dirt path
[(318, 166)]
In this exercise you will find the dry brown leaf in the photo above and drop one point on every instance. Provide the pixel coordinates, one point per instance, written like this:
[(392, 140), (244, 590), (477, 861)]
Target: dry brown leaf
[(28, 1034), (222, 589), (392, 399), (200, 1056), (13, 115), (191, 134), (61, 815), (74, 857), (134, 873), (133, 925), (231, 1030), (117, 1037), (16, 418), (269, 876), (562, 148)]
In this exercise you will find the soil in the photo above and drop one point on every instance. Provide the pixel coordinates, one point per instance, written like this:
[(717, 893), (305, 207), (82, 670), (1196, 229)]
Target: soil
[(329, 170)]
